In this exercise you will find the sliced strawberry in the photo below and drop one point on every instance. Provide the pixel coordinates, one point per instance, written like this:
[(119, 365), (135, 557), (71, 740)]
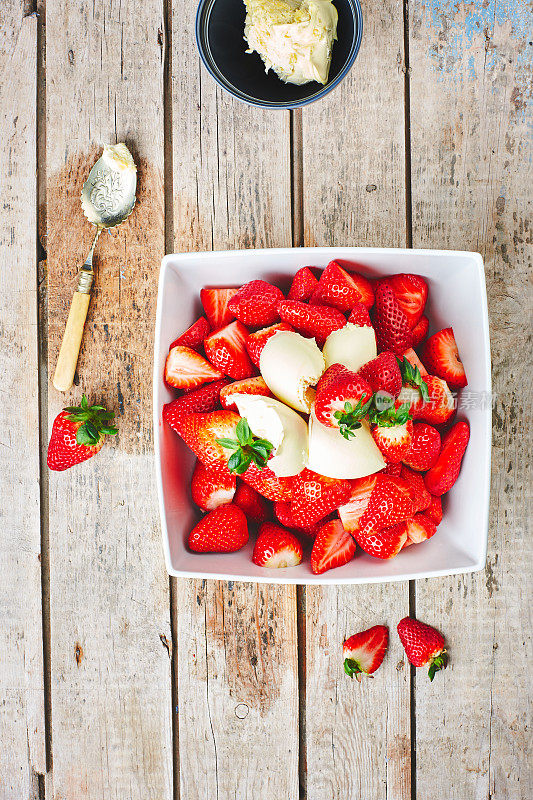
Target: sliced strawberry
[(419, 494), (252, 503), (210, 488), (268, 484), (201, 432), (187, 369), (333, 547), (393, 441), (413, 359), (283, 512), (434, 510), (202, 400), (383, 373), (418, 528), (423, 645), (314, 496), (256, 303), (303, 285), (342, 398), (356, 504), (194, 336), (359, 316), (420, 331), (223, 530), (364, 652), (425, 447), (442, 476), (254, 385), (411, 292), (215, 303), (437, 409), (441, 357), (226, 349), (390, 502), (384, 544), (276, 547), (342, 290), (256, 341), (311, 321), (393, 469), (390, 323)]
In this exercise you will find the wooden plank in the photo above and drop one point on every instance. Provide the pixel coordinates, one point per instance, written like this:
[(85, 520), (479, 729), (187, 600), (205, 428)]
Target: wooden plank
[(358, 743), (22, 737), (237, 671), (472, 173), (111, 684)]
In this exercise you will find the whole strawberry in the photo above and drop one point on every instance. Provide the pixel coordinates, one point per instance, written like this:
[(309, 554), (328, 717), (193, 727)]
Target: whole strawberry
[(78, 434), (423, 645), (364, 652)]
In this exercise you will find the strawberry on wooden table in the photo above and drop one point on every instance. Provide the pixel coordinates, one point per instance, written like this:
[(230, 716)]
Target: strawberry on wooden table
[(314, 496), (215, 303), (390, 323), (255, 304), (194, 336), (383, 373), (211, 488), (223, 530), (255, 385), (442, 476), (254, 505), (425, 447), (342, 289), (311, 321), (423, 645), (78, 433), (364, 652), (257, 340), (342, 399), (441, 357), (276, 547), (419, 332), (303, 285), (411, 293), (201, 400), (186, 369), (333, 547), (226, 350)]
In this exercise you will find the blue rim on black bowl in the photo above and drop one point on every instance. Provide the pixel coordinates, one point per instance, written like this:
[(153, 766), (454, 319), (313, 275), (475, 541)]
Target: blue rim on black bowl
[(222, 48)]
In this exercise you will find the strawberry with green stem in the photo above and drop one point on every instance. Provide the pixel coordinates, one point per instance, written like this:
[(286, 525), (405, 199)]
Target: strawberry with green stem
[(364, 652), (423, 645), (246, 449), (78, 433), (393, 431), (411, 376)]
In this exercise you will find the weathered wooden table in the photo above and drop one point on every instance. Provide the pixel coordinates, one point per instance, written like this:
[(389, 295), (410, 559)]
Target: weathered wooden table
[(114, 682)]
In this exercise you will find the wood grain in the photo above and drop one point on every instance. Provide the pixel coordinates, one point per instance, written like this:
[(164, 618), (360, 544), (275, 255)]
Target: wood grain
[(22, 736), (110, 621), (471, 107), (358, 743), (237, 674)]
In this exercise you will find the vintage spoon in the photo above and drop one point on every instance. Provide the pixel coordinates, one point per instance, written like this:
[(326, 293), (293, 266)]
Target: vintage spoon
[(107, 198)]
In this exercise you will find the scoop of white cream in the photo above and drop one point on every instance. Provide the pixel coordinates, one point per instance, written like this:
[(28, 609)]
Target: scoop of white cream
[(290, 365), (332, 455), (293, 37)]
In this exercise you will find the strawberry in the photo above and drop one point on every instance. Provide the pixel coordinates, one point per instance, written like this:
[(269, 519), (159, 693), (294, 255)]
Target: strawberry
[(255, 304), (223, 530), (412, 376), (393, 441), (342, 399), (201, 400), (202, 432), (215, 303), (425, 447), (419, 332), (210, 488), (254, 506), (311, 321), (314, 496), (393, 469), (439, 406), (411, 293), (390, 323), (268, 484), (256, 341), (194, 336), (276, 547), (413, 359), (78, 434), (332, 547), (434, 510), (359, 316), (418, 528), (423, 645), (441, 357), (342, 290), (282, 510), (246, 386), (383, 373), (419, 494), (226, 349), (187, 369), (390, 502), (384, 544), (303, 285), (356, 504), (442, 476), (364, 652)]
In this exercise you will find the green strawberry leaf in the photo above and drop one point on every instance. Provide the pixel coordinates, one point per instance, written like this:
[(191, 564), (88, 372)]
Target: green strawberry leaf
[(412, 377), (94, 422), (349, 420), (246, 448), (351, 667), (439, 662), (390, 416)]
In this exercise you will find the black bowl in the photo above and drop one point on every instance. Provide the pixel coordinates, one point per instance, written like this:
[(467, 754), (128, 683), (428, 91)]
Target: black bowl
[(220, 39)]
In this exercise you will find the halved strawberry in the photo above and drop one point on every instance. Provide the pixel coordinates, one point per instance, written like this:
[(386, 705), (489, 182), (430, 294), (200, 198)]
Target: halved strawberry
[(441, 357), (223, 530), (276, 547), (425, 447), (419, 494), (390, 502), (256, 303), (434, 510), (411, 292), (442, 476), (303, 285), (187, 369), (194, 336), (202, 400), (252, 503), (364, 652), (333, 547), (283, 512), (393, 441), (256, 341), (342, 399), (356, 504), (420, 331), (359, 316), (383, 373), (215, 303), (384, 544), (314, 496), (210, 488), (439, 406), (342, 289), (201, 433), (390, 323), (226, 349), (413, 359), (419, 528), (311, 321), (268, 484), (254, 385)]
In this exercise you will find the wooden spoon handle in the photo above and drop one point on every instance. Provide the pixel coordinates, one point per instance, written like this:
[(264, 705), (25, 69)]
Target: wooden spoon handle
[(70, 346)]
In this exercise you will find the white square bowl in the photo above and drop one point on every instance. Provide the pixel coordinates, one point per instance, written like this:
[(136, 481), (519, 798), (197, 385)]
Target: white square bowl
[(457, 298)]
